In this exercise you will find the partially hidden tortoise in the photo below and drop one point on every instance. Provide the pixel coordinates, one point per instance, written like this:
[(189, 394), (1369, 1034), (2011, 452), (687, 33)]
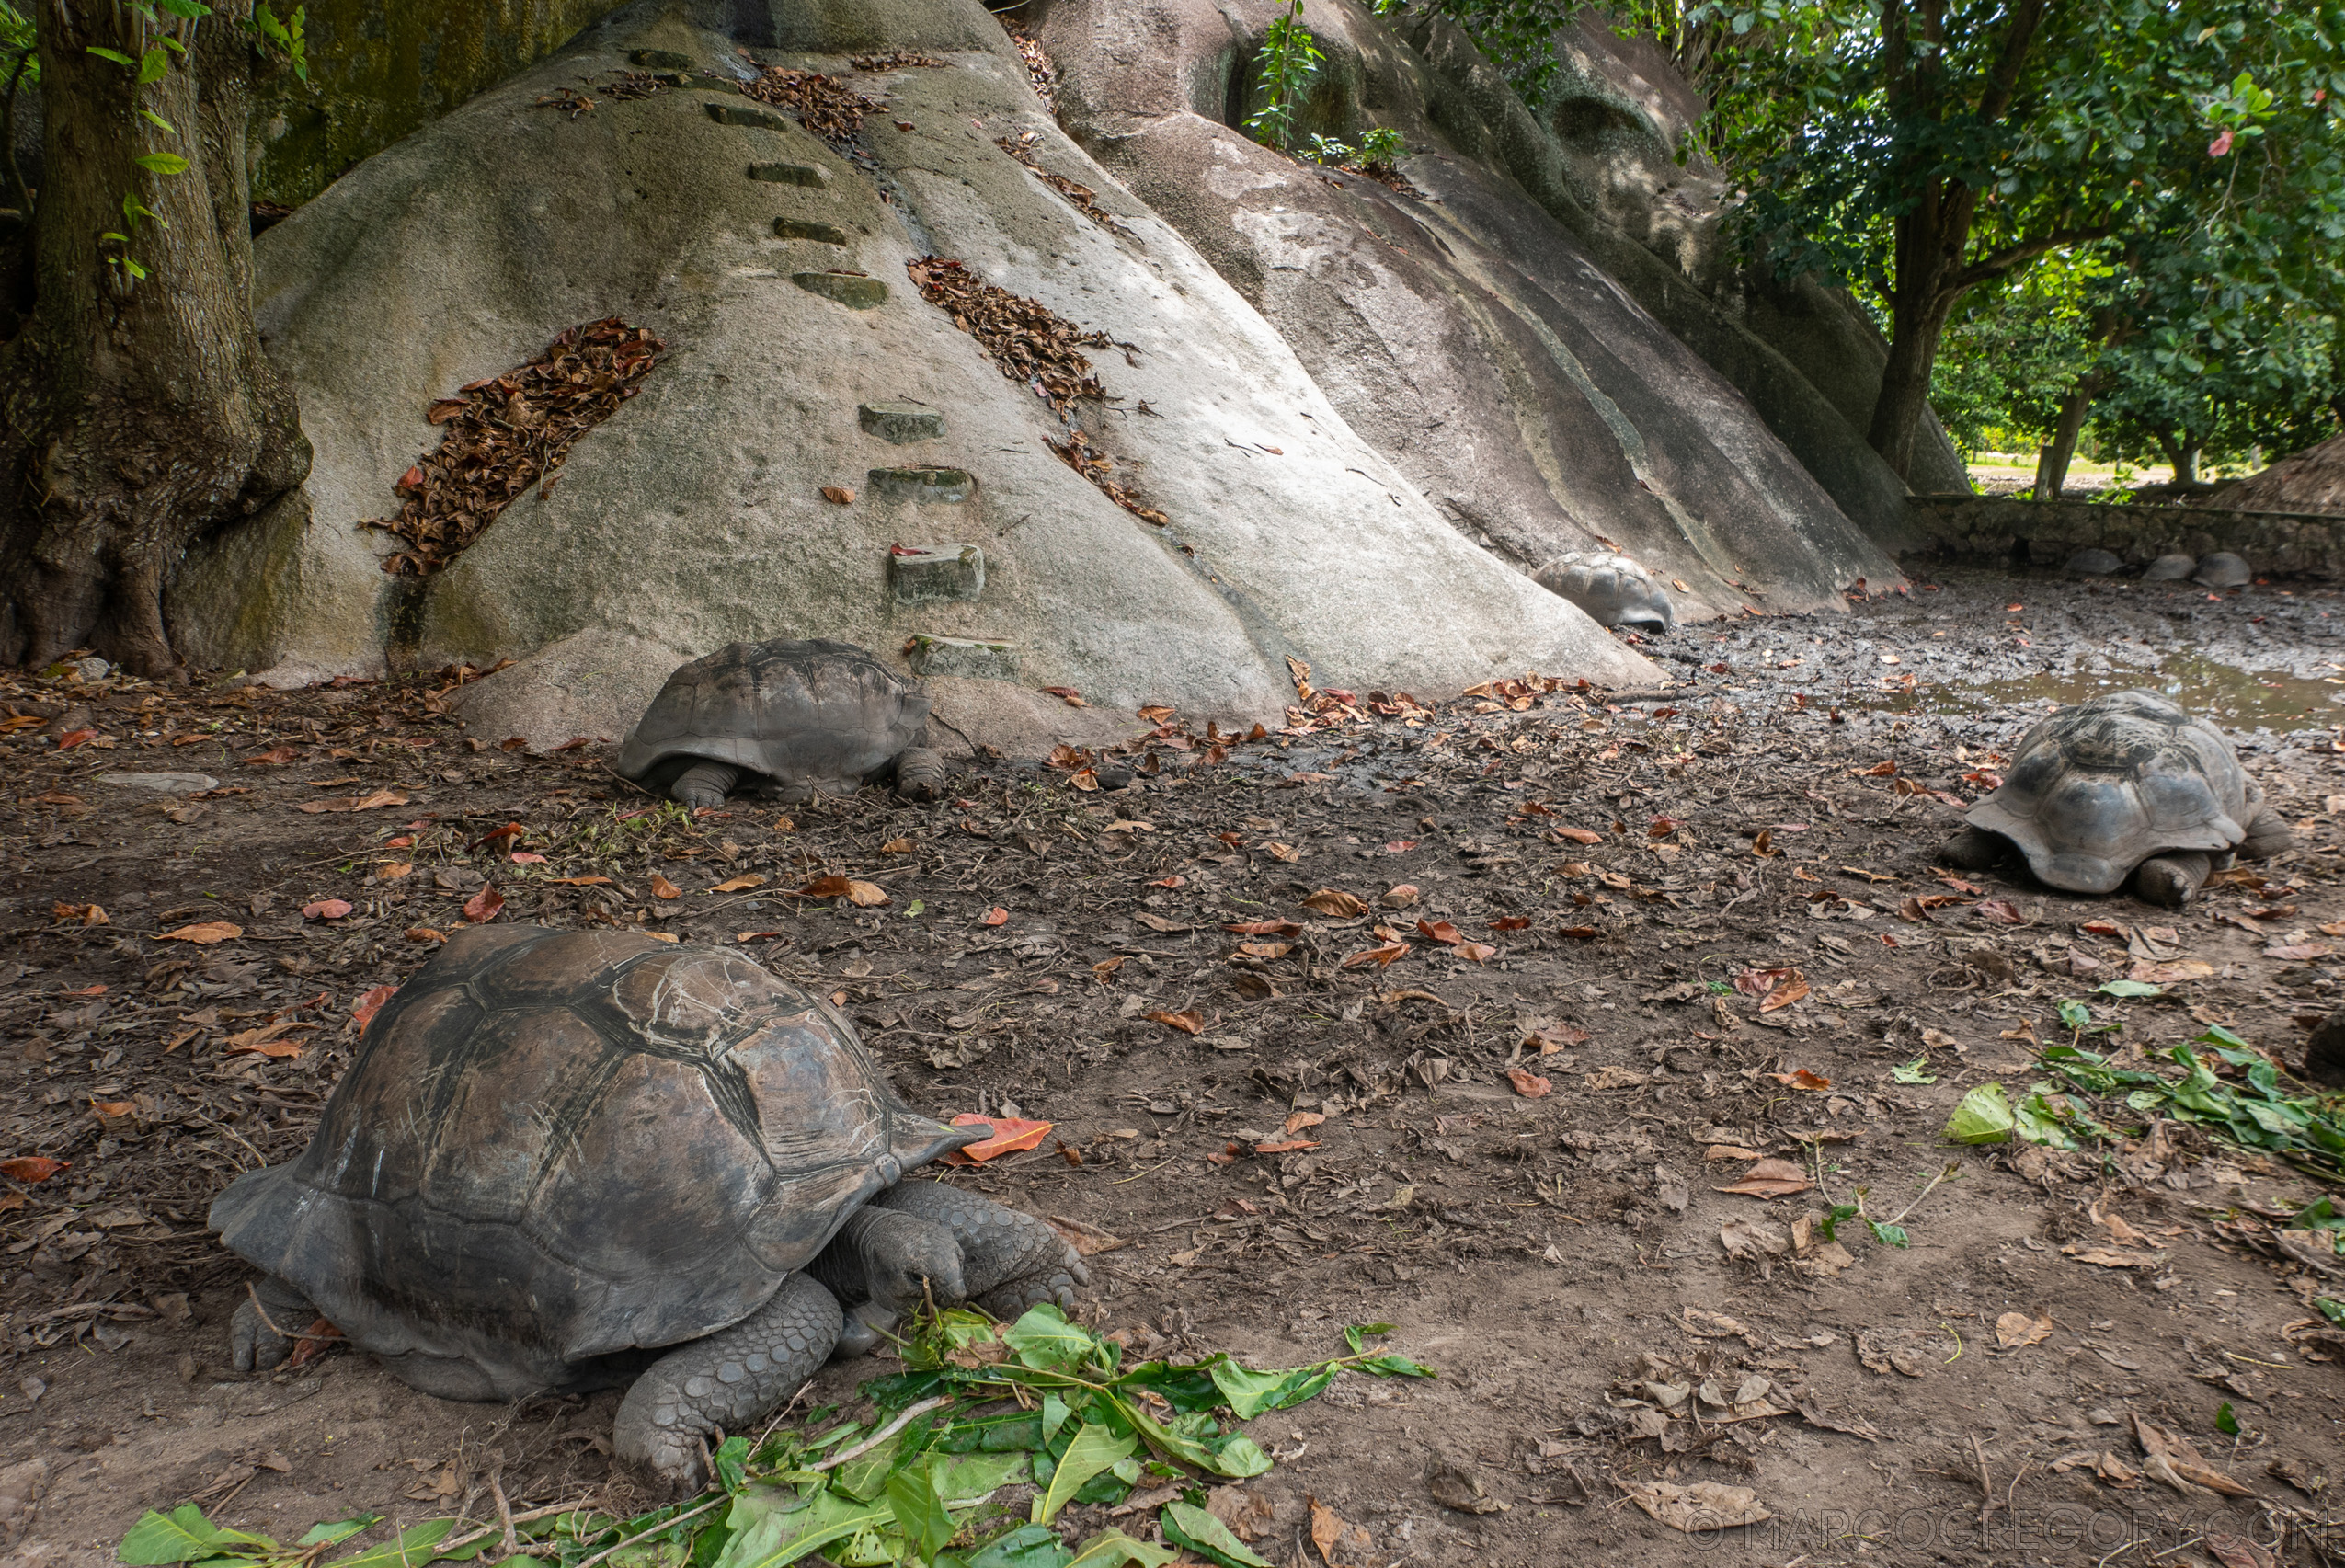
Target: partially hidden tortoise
[(1611, 587), (2126, 785), (790, 719), (565, 1160)]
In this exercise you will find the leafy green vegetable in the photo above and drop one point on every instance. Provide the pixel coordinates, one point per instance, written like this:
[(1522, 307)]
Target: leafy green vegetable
[(1915, 1071), (1041, 1392), (1984, 1116), (1187, 1525), (2130, 989), (2225, 1421)]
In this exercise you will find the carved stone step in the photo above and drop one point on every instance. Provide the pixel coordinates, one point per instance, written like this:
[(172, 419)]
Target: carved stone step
[(928, 484), (849, 288), (935, 574), (964, 656), (901, 422)]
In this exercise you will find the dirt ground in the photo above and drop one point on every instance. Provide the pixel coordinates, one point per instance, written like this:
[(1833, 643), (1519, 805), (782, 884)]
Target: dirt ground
[(1602, 1315)]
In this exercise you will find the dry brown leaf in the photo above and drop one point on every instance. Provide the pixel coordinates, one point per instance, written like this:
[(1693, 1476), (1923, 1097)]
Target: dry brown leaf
[(204, 934), (1772, 1178), (1188, 1023), (739, 884), (2015, 1329), (1698, 1506), (1335, 904)]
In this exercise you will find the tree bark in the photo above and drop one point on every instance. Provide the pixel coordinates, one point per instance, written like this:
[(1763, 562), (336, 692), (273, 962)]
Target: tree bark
[(1930, 244), (2051, 462), (135, 414)]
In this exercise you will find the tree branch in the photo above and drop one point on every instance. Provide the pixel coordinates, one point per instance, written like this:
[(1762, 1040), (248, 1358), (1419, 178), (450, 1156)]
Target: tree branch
[(2003, 260), (2027, 19)]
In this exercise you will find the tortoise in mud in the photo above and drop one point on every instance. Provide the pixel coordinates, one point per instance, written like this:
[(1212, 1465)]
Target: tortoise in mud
[(2125, 786), (1612, 589), (565, 1160), (791, 720)]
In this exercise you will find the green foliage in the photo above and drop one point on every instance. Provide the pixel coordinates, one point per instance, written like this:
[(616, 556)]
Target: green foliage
[(18, 46), (980, 1406), (2251, 1108), (1290, 59), (1380, 148), (2011, 355)]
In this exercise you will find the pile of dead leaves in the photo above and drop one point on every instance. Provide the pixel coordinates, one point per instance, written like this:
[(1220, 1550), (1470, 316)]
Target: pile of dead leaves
[(1031, 342), (507, 433), (824, 105), (1039, 69), (1082, 198), (1076, 452), (895, 60)]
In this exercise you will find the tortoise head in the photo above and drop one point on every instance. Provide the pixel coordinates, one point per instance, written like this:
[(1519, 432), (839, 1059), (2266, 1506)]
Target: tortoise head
[(908, 1260)]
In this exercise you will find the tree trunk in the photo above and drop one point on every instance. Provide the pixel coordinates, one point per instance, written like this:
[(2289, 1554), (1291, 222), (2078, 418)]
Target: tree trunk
[(2181, 455), (138, 414), (1929, 247), (2051, 462)]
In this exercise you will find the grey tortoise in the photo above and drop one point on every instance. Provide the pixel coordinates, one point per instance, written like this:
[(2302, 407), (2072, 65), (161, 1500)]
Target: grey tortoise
[(568, 1161), (790, 719), (1611, 587), (2125, 786)]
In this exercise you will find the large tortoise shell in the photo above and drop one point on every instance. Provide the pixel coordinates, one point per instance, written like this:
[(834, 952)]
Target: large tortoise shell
[(2097, 788), (572, 1143), (1612, 589), (809, 712)]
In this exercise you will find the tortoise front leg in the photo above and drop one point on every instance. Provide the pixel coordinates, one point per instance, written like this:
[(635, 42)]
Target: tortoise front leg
[(1973, 849), (704, 783), (1008, 1261), (2268, 834), (920, 774), (267, 1325), (731, 1379), (2172, 879)]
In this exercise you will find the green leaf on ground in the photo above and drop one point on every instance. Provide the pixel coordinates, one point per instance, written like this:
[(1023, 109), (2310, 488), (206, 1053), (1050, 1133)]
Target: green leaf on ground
[(1984, 1116), (182, 1536), (1187, 1525), (1093, 1449)]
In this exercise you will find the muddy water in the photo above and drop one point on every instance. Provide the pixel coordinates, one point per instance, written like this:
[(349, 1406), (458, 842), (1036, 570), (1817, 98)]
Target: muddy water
[(2244, 699)]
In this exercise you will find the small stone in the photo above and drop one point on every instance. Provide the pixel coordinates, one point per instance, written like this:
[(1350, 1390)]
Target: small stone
[(803, 228), (931, 485), (659, 59), (2170, 568), (813, 175), (743, 115), (161, 784), (901, 422), (965, 656), (853, 290), (2224, 569), (935, 574)]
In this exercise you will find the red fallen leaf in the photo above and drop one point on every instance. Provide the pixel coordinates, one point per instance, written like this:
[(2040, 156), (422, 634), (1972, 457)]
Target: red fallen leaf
[(1068, 696), (1084, 779), (1758, 982), (326, 910), (1772, 1178), (1881, 770), (1529, 1084), (32, 1169), (863, 895), (1227, 1155), (1793, 988), (98, 989), (276, 756), (443, 409), (1335, 903), (1264, 928), (111, 1109), (362, 1010), (1265, 949), (58, 796), (581, 881), (995, 916), (313, 1342), (1382, 958), (481, 907), (2001, 910), (74, 738), (1286, 1146), (663, 888), (404, 841), (1580, 933), (1510, 922), (411, 480), (425, 933), (1440, 931), (1579, 835), (1302, 1119), (1400, 846), (2298, 952), (1169, 882), (1479, 952), (1661, 826), (283, 1050), (838, 495), (1533, 808), (524, 857), (205, 933), (500, 836), (1232, 840), (1009, 1135), (1187, 1023)]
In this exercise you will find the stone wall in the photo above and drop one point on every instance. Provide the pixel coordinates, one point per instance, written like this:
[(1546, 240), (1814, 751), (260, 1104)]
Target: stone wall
[(380, 71), (2047, 533)]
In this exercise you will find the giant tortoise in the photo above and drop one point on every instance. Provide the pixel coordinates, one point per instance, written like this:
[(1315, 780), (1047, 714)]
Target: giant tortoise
[(2125, 785), (565, 1160), (791, 719)]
